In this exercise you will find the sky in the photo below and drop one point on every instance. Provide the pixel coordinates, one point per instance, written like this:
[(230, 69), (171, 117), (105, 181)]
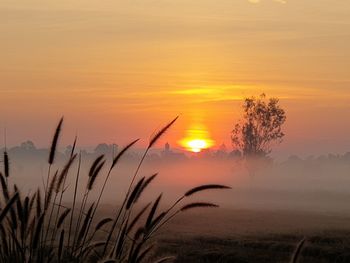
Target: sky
[(119, 70)]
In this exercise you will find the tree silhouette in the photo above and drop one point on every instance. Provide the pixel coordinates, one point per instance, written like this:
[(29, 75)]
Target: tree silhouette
[(260, 127)]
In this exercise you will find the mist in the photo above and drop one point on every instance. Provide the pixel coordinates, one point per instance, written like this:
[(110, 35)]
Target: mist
[(310, 184)]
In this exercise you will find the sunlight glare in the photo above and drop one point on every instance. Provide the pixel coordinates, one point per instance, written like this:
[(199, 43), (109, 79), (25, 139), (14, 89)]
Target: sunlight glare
[(197, 140), (197, 145)]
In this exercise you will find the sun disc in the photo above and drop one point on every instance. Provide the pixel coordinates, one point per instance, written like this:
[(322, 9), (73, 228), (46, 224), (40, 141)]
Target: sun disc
[(197, 139)]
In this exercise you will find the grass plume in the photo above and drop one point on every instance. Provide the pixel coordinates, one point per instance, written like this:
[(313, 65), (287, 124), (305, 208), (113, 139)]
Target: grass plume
[(161, 132), (205, 187), (55, 142)]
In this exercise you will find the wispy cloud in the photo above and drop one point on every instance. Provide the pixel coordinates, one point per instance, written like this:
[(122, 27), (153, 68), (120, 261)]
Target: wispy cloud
[(281, 1), (205, 94), (196, 91)]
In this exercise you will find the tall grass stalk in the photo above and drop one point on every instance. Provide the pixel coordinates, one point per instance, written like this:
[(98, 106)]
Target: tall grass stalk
[(74, 202)]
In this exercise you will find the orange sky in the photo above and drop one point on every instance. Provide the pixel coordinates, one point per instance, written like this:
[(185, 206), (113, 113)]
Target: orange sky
[(118, 70)]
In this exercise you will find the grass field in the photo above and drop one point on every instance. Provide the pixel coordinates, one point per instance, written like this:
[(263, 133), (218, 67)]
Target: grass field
[(257, 236)]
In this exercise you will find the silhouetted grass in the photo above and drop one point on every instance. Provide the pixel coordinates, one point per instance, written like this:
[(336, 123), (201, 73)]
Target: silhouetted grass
[(37, 228)]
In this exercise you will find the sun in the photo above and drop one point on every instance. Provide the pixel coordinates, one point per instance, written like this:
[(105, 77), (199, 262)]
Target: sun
[(197, 145), (196, 140)]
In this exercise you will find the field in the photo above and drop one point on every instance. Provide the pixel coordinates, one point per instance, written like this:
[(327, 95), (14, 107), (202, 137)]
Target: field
[(256, 236)]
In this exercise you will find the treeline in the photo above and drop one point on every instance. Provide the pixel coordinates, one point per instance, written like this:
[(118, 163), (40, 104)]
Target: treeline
[(28, 150)]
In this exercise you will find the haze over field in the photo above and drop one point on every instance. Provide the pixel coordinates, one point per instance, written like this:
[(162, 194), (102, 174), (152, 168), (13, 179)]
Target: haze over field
[(319, 184)]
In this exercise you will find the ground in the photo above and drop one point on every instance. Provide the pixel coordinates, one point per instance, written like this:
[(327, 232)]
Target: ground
[(246, 236)]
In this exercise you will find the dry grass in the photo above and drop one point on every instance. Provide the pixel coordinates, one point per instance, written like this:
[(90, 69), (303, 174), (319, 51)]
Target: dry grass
[(37, 228)]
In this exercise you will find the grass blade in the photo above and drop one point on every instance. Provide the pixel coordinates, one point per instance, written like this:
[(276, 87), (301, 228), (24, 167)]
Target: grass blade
[(8, 206), (297, 251)]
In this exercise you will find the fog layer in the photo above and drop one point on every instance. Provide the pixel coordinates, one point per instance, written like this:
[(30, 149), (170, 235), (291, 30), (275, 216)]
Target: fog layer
[(312, 184)]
